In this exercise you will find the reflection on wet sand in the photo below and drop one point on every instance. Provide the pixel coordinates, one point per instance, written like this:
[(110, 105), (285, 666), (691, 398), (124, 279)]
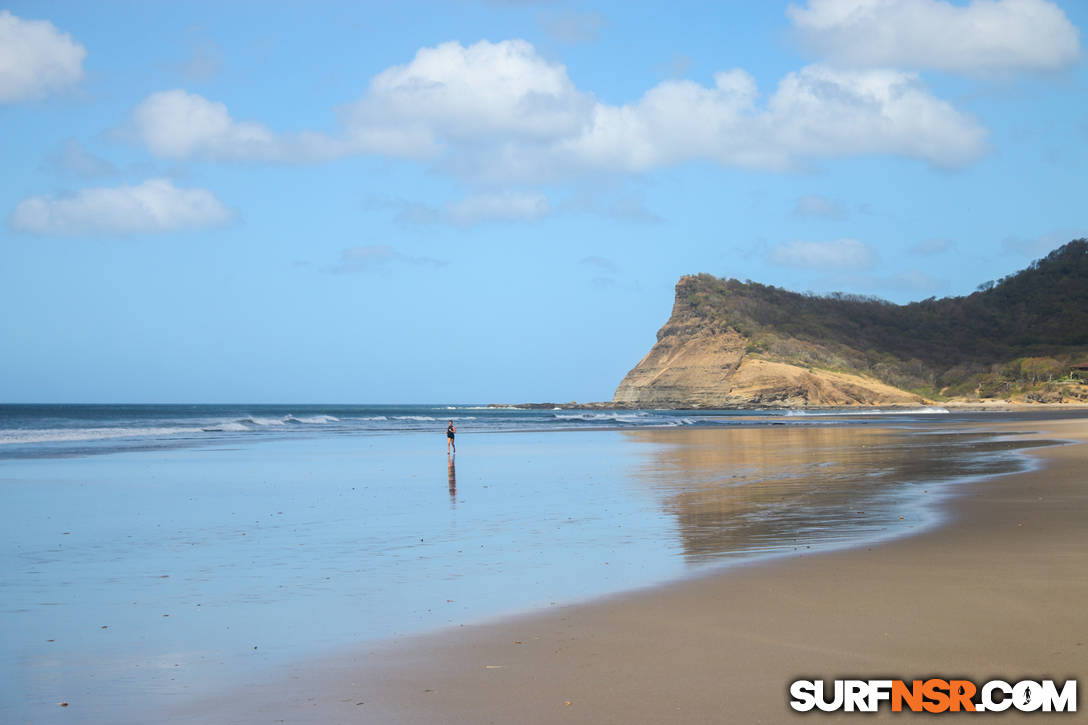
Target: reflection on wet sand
[(451, 470), (741, 491)]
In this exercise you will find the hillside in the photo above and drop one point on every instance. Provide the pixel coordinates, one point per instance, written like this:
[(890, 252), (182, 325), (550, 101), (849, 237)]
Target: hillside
[(738, 344)]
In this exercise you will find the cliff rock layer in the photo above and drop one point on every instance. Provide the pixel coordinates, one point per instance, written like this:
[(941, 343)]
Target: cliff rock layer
[(698, 364)]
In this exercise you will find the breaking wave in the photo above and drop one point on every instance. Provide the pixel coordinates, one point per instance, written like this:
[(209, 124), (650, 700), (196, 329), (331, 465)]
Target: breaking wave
[(254, 420), (230, 426), (928, 410), (288, 419), (60, 435), (632, 418), (312, 419)]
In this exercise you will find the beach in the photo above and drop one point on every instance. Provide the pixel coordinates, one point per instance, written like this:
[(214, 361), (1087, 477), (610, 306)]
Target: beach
[(645, 567), (996, 591), (527, 362)]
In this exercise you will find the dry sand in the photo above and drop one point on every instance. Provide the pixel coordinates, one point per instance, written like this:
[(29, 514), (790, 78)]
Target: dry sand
[(1000, 591)]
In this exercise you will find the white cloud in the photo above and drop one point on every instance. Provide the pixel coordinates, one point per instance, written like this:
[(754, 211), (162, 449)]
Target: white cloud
[(156, 205), (451, 93), (674, 121), (447, 95), (819, 111), (177, 124), (983, 36), (814, 205), (815, 112), (36, 58), (180, 125), (499, 112), (837, 254), (505, 206)]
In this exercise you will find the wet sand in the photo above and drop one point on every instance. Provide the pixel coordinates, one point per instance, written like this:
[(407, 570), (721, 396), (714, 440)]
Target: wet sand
[(1000, 590)]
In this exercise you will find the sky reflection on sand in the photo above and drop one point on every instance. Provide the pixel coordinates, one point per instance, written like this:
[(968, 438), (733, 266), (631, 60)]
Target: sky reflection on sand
[(142, 578)]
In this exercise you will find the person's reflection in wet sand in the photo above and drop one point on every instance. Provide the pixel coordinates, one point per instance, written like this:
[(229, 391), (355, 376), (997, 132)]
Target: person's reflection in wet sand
[(452, 471)]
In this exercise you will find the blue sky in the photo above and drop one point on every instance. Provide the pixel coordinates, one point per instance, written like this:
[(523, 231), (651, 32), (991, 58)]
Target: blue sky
[(492, 201)]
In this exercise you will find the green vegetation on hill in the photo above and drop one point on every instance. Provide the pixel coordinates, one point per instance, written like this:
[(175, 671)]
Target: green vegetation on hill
[(1016, 336)]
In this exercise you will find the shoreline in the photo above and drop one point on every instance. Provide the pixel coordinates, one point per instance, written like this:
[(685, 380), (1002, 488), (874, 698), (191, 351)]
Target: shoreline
[(995, 590), (979, 406)]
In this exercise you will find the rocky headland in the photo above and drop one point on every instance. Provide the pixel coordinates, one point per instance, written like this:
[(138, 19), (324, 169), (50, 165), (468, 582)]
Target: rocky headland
[(732, 344)]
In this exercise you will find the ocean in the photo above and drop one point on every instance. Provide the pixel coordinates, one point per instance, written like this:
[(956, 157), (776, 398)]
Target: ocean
[(64, 430), (153, 554)]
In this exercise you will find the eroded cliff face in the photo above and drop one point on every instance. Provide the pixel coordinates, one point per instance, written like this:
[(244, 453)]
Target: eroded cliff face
[(697, 363), (690, 366)]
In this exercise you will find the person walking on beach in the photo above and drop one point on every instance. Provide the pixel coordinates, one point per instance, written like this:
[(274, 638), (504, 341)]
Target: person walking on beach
[(450, 431)]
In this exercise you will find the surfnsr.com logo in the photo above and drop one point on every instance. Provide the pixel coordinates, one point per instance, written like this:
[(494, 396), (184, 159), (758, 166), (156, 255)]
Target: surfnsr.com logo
[(933, 695)]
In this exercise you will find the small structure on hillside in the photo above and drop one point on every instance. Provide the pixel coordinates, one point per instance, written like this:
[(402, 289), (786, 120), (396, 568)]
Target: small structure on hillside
[(1079, 371)]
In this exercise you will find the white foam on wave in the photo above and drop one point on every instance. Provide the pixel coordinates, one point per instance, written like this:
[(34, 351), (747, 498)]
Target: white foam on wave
[(927, 410), (312, 419), (413, 417), (229, 426), (254, 420), (60, 435), (604, 417)]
